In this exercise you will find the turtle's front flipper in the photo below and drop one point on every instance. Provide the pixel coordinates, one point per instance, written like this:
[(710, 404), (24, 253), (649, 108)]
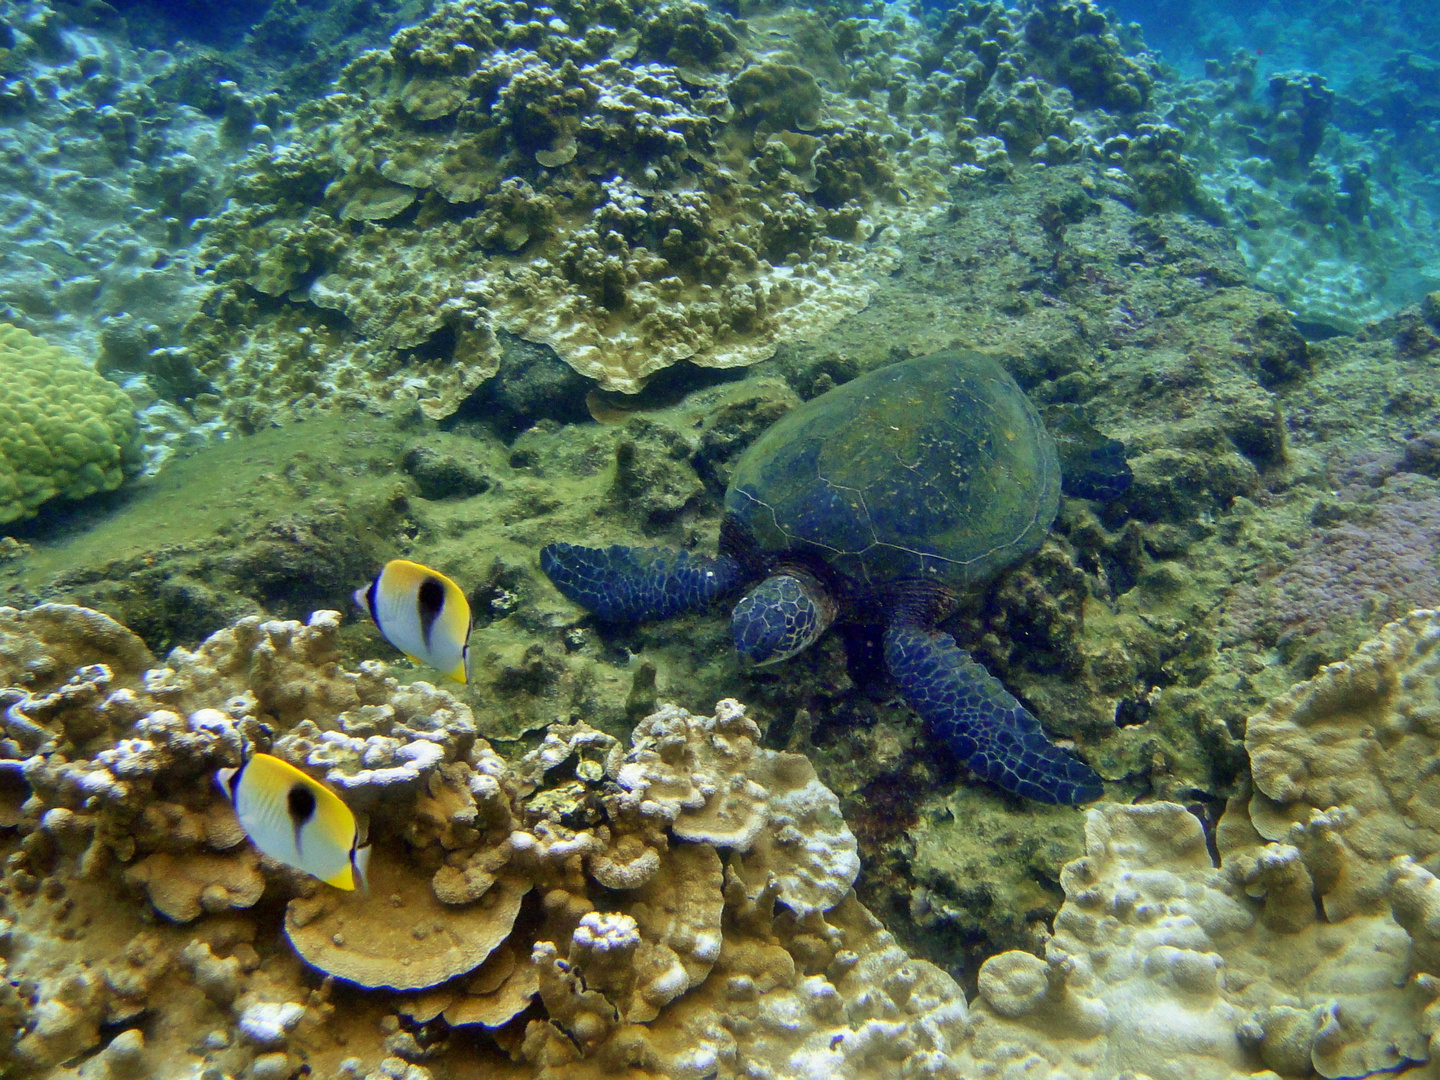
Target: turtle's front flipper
[(966, 707), (628, 584)]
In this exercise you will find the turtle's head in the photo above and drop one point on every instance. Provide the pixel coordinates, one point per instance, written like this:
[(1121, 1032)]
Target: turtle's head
[(780, 617)]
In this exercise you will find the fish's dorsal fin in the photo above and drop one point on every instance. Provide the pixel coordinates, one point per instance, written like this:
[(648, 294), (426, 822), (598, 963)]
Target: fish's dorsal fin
[(227, 780)]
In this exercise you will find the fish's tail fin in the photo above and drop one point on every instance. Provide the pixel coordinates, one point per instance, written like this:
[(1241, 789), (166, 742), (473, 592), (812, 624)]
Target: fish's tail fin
[(461, 671), (223, 779), (360, 861)]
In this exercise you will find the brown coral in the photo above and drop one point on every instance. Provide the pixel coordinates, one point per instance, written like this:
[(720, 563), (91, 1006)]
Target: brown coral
[(566, 186), (686, 962), (399, 934)]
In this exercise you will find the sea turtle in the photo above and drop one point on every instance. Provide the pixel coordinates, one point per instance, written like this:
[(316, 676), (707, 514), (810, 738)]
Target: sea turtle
[(880, 501)]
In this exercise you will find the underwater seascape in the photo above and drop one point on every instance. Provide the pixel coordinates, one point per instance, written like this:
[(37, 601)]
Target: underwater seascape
[(659, 538)]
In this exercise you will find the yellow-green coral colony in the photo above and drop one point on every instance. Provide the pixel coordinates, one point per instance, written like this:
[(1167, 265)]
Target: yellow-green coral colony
[(65, 431)]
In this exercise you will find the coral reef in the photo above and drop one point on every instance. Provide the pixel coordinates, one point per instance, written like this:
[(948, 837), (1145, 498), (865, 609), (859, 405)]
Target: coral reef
[(1086, 302), (1326, 214), (104, 181), (467, 179), (679, 907), (65, 432), (630, 201), (728, 930), (1066, 249), (486, 170), (108, 181)]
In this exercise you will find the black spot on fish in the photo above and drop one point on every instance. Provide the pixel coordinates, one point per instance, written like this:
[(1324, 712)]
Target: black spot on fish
[(429, 602), (300, 801)]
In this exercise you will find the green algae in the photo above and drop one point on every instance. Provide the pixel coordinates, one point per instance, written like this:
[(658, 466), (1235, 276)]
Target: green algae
[(220, 489)]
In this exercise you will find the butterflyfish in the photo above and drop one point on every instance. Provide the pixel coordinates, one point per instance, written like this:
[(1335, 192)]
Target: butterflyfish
[(423, 614), (296, 820)]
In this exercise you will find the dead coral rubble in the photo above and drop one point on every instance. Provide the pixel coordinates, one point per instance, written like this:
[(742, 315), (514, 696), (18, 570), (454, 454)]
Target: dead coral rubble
[(678, 907)]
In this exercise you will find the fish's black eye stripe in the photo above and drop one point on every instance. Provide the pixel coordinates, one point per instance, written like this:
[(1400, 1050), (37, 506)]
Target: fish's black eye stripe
[(429, 603), (235, 782), (370, 599)]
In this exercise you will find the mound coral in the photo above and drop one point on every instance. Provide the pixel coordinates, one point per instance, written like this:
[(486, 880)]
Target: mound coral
[(1344, 763), (65, 432)]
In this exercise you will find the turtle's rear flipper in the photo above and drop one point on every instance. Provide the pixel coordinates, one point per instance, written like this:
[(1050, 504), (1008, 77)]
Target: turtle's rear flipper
[(631, 584), (966, 707)]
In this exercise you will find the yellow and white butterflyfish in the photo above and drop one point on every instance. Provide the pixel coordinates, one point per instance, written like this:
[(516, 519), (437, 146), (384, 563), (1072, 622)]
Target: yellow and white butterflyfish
[(296, 820), (423, 614)]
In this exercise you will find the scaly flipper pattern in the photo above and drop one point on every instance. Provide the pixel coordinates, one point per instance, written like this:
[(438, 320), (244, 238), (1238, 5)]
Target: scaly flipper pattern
[(967, 708), (632, 584)]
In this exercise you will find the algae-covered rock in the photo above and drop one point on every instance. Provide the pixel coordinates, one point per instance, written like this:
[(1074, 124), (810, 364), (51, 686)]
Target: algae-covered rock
[(65, 432)]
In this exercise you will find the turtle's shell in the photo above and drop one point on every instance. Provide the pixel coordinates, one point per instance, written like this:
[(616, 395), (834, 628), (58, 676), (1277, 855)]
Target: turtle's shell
[(935, 469)]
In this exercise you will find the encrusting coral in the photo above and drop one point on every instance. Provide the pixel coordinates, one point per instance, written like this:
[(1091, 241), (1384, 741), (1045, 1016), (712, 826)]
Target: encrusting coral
[(1344, 764), (676, 907), (65, 432)]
